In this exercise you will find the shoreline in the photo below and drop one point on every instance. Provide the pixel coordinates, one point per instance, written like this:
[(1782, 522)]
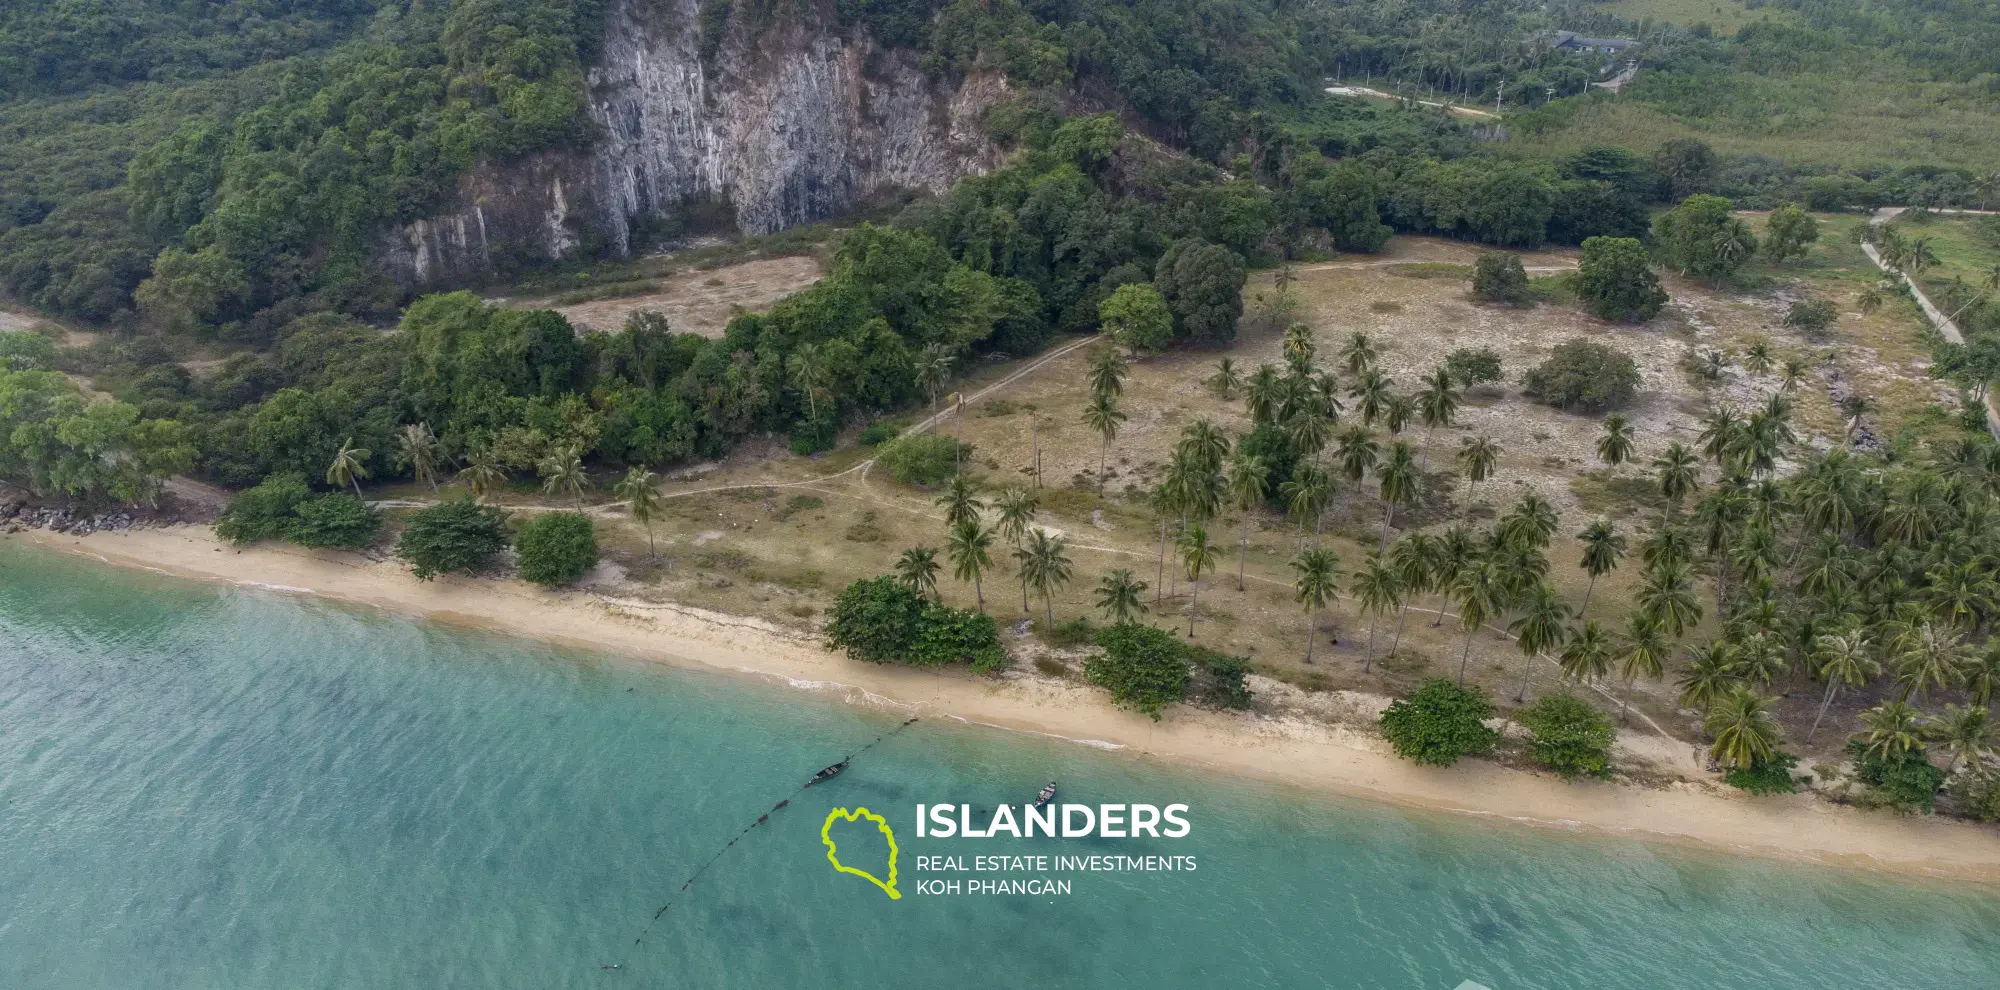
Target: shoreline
[(1319, 757)]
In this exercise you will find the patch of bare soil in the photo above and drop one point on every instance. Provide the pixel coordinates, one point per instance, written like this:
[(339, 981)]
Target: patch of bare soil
[(700, 301)]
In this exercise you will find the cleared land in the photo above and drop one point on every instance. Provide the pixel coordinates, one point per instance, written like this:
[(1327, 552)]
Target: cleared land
[(696, 301), (774, 535)]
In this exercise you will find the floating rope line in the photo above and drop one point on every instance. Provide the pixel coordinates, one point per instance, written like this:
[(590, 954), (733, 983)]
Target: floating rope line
[(826, 774)]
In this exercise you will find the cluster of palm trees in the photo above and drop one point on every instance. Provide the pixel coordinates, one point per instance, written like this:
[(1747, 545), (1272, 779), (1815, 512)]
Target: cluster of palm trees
[(1042, 558)]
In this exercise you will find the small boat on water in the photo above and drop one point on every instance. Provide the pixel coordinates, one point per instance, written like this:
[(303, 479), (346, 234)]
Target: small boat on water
[(828, 773), (1048, 794)]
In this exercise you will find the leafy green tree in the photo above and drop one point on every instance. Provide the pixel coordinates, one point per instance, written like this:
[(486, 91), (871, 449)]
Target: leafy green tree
[(556, 548), (459, 536), (1144, 668), (1685, 166), (1568, 736), (1789, 232), (1615, 279), (1700, 238), (1202, 284), (1439, 724), (1583, 375), (1137, 317), (265, 512), (922, 459), (1472, 367), (875, 620), (1497, 277)]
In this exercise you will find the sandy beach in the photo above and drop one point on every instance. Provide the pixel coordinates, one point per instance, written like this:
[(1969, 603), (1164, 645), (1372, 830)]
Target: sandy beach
[(1288, 751)]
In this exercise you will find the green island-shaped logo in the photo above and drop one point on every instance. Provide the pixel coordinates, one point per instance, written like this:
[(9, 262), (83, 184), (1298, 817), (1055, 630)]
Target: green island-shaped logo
[(833, 852)]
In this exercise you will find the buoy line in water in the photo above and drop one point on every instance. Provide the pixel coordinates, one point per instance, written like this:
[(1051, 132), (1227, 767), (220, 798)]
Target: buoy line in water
[(829, 772)]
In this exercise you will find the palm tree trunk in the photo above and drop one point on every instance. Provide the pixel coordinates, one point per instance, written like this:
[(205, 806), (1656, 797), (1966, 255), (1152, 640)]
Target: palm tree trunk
[(1103, 452), (352, 479), (1465, 656), (1194, 603), (1402, 616), (1312, 631), (652, 549), (1832, 686), (1368, 658), (1160, 575), (1522, 694), (1243, 552), (1024, 593), (1388, 519), (1050, 605), (979, 592), (1625, 703), (1587, 589)]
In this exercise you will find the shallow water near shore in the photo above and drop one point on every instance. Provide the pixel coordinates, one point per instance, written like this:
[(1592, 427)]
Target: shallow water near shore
[(203, 786)]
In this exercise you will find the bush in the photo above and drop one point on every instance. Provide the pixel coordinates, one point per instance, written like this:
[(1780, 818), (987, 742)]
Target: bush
[(1569, 736), (1219, 678), (457, 536), (1813, 317), (883, 621), (1586, 376), (813, 436), (923, 459), (1615, 279), (556, 548), (1470, 367), (1907, 784), (1137, 317), (1144, 668), (1439, 724), (265, 512), (1978, 794), (336, 519), (1071, 633), (1498, 277), (1789, 232), (1772, 776), (879, 432)]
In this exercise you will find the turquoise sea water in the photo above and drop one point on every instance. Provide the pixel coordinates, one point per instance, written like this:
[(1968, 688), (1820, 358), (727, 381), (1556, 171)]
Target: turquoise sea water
[(205, 787)]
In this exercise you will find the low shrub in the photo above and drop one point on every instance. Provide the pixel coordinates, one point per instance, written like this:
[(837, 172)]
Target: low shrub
[(1978, 794), (1219, 677), (1907, 784), (1440, 723), (1772, 776), (883, 621), (923, 459), (264, 512), (1469, 367), (1584, 376), (556, 548), (336, 519), (1071, 633), (1568, 736), (1145, 668), (879, 432), (810, 437), (1812, 317), (457, 536)]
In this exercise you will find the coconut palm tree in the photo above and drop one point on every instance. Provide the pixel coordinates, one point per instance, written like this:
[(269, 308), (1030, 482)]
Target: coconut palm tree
[(1309, 427), (1602, 548), (1045, 565), (1616, 445), (350, 464), (1967, 734), (1397, 413), (1103, 416), (563, 470), (1377, 589), (967, 547), (1226, 380), (1720, 425), (1249, 480), (1642, 652), (1794, 373), (1745, 732), (1757, 360), (1982, 674), (1358, 354), (961, 502), (1933, 660), (1680, 475), (1962, 595), (1477, 592), (1299, 344), (1870, 299), (1107, 371), (1530, 522), (917, 569), (1121, 597), (1415, 559), (1586, 656), (1264, 393), (1204, 444), (1477, 457), (1891, 729), (642, 500), (933, 366), (810, 372), (1399, 485), (483, 475), (1667, 596), (1017, 518), (1197, 557), (1357, 452), (1371, 396), (417, 450), (1306, 494), (1543, 622), (1710, 675), (1437, 405), (1165, 501), (1317, 581), (1843, 660)]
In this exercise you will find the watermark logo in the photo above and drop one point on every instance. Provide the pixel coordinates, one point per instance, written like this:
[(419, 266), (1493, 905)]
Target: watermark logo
[(833, 851)]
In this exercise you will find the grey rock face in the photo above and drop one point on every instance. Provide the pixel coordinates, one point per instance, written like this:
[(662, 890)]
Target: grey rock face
[(783, 128)]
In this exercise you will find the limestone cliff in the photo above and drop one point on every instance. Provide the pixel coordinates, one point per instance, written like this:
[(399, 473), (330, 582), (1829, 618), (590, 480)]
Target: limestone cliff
[(790, 121)]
